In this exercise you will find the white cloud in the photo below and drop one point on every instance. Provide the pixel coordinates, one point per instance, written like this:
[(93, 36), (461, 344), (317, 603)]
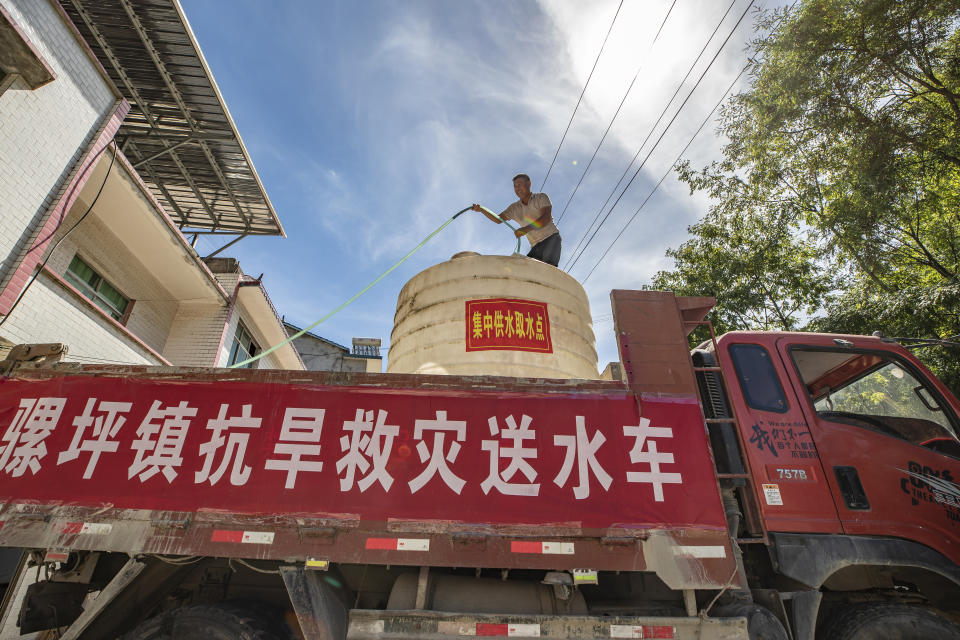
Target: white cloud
[(436, 105)]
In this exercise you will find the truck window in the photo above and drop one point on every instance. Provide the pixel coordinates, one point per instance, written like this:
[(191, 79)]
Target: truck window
[(758, 378), (877, 392)]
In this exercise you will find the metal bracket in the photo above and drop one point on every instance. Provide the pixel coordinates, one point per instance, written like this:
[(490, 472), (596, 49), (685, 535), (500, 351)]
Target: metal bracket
[(322, 615), (33, 356)]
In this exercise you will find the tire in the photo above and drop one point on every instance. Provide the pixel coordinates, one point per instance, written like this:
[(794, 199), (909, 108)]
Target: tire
[(890, 622), (228, 621)]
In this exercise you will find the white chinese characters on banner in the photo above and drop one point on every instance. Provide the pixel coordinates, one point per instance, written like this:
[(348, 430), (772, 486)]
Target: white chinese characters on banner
[(299, 438), (517, 455), (236, 446), (645, 434), (366, 445), (103, 427), (159, 445), (23, 445), (584, 450), (438, 460)]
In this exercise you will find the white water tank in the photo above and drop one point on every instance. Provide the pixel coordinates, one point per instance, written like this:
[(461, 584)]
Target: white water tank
[(432, 331)]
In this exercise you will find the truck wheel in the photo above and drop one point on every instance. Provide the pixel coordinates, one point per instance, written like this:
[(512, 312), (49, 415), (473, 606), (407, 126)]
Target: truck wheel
[(230, 621), (889, 621)]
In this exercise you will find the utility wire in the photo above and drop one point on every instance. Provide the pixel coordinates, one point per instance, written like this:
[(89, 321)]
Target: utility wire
[(649, 133), (730, 88), (669, 169), (663, 133), (612, 120), (580, 99), (75, 225)]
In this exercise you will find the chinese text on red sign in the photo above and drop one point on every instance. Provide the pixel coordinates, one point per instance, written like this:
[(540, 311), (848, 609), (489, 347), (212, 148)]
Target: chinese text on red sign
[(507, 324), (505, 457)]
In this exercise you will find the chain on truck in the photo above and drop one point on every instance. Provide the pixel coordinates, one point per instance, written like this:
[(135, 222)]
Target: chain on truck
[(773, 485)]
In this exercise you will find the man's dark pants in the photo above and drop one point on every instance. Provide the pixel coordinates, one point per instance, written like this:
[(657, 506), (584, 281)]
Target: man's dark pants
[(547, 250)]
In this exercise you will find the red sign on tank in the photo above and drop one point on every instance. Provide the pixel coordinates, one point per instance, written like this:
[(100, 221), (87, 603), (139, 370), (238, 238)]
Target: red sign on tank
[(507, 324)]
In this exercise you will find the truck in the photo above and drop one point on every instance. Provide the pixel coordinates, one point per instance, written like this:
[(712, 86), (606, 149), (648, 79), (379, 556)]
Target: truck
[(763, 485)]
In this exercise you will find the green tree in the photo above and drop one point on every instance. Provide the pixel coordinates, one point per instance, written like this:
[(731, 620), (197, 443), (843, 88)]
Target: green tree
[(761, 274), (849, 130)]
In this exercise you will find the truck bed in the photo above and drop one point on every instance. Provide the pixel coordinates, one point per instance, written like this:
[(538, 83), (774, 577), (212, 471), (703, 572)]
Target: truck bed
[(360, 468)]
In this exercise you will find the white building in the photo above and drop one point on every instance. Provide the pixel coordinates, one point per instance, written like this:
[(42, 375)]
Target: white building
[(115, 148)]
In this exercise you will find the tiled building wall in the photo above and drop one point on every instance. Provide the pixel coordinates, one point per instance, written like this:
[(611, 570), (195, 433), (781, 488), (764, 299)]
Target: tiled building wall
[(49, 312), (153, 310), (195, 335), (44, 132)]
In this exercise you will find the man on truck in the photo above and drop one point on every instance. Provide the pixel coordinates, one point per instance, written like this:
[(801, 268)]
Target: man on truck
[(533, 212)]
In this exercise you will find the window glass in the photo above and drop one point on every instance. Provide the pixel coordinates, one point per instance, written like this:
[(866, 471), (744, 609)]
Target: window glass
[(243, 348), (758, 378), (93, 286), (112, 296), (82, 272), (877, 392)]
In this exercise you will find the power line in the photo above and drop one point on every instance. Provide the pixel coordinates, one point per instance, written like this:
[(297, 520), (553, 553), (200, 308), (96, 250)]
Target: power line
[(649, 133), (586, 84), (612, 120), (669, 169), (664, 132), (76, 224)]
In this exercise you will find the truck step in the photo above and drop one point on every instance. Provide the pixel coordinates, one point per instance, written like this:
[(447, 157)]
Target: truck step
[(723, 476), (762, 540)]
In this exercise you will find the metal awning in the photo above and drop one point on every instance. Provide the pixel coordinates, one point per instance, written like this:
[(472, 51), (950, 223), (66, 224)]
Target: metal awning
[(178, 134)]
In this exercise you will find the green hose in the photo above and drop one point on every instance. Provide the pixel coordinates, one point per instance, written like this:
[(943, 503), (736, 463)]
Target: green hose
[(364, 290)]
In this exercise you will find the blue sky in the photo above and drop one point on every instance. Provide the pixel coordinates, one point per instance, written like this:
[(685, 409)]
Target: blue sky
[(371, 122)]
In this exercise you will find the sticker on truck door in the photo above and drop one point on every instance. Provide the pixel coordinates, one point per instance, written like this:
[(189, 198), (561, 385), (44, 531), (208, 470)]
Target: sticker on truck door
[(927, 485), (771, 492)]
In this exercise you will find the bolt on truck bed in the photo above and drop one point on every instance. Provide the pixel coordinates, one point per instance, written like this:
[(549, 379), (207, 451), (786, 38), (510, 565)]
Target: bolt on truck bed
[(317, 468)]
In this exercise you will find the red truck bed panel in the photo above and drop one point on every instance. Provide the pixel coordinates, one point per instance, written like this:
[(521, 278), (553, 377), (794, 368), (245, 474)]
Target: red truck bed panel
[(548, 467)]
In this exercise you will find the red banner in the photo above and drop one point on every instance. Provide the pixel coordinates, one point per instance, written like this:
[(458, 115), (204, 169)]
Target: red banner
[(380, 454), (508, 324)]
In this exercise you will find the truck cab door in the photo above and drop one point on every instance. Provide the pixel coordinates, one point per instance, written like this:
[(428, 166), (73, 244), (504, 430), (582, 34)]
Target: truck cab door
[(790, 483), (886, 433)]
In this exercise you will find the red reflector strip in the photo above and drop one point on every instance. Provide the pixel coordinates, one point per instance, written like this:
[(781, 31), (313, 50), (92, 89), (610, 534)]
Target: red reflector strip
[(552, 548), (72, 527), (489, 629), (399, 544), (382, 543), (56, 556), (252, 537), (221, 535), (513, 630), (644, 632)]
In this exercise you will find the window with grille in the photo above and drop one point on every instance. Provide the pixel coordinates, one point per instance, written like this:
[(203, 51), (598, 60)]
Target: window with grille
[(92, 285)]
